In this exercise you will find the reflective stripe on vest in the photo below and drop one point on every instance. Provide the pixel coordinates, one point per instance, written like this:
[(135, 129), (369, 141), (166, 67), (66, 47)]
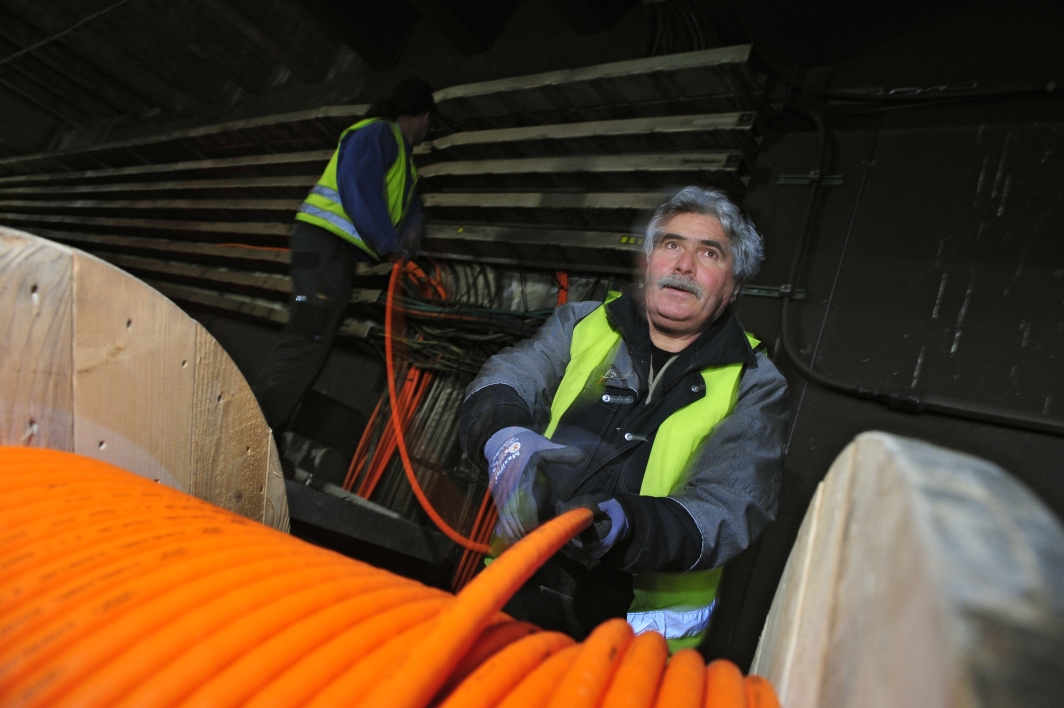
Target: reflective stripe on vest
[(323, 207), (679, 605), (673, 624)]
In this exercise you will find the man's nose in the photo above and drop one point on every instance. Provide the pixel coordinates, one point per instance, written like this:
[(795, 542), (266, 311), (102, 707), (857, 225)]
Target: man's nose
[(685, 262)]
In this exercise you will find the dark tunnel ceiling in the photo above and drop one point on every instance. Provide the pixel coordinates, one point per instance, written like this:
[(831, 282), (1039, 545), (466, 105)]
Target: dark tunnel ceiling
[(70, 64)]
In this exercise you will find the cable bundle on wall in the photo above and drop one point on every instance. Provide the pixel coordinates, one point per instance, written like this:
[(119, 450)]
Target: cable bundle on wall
[(117, 591), (441, 322)]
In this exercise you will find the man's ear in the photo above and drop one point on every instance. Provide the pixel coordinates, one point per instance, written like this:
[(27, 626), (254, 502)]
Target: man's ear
[(735, 294)]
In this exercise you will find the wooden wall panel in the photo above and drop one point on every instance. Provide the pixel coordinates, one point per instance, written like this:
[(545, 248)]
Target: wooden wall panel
[(229, 434), (36, 360), (134, 367)]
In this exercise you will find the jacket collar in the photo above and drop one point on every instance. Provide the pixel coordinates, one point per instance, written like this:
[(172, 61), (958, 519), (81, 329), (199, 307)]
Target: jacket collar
[(723, 343)]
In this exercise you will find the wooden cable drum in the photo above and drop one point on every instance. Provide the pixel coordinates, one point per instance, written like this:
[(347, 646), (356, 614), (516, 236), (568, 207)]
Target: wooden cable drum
[(920, 577), (96, 362)]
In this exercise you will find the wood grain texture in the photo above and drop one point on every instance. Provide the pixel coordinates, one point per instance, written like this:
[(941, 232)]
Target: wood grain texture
[(275, 513), (229, 449), (36, 350), (792, 647), (921, 576), (134, 366)]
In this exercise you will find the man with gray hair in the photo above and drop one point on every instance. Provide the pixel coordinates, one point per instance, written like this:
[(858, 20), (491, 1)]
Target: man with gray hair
[(656, 410)]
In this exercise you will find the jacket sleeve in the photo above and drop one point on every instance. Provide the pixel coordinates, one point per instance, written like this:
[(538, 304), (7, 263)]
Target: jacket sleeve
[(517, 385), (731, 492), (366, 155)]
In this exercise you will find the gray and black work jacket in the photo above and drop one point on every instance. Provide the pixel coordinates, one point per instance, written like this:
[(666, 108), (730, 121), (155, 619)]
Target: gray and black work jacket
[(732, 486)]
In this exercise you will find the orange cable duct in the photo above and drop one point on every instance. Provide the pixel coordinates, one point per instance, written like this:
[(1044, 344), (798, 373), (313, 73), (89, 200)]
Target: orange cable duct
[(563, 286), (358, 459), (458, 578), (118, 591)]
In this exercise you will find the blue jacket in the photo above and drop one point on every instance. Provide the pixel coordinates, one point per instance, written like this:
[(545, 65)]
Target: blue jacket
[(365, 157)]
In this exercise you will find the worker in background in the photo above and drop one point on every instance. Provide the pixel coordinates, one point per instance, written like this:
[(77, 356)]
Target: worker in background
[(364, 208), (657, 411)]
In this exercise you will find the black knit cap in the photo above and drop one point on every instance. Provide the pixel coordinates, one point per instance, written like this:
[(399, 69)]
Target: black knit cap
[(410, 97)]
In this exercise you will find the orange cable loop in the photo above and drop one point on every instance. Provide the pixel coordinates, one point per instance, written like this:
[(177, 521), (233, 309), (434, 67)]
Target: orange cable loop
[(400, 439)]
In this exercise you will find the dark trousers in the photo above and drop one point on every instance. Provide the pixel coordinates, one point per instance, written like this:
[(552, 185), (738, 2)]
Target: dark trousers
[(323, 267)]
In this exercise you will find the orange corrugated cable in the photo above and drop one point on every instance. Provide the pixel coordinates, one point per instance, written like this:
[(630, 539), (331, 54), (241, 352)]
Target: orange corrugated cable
[(636, 681), (536, 688), (310, 672), (684, 680), (724, 686), (496, 677), (427, 667), (588, 678), (240, 614), (262, 664), (759, 693), (378, 666), (491, 641)]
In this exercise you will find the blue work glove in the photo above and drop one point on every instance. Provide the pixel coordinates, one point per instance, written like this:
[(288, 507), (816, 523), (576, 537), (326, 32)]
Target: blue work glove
[(520, 489), (609, 527)]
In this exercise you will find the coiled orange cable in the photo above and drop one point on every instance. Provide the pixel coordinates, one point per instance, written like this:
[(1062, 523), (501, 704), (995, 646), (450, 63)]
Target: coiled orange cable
[(201, 607)]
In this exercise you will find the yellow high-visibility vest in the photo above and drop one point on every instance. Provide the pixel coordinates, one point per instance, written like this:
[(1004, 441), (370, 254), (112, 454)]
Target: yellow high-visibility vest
[(323, 209), (678, 605)]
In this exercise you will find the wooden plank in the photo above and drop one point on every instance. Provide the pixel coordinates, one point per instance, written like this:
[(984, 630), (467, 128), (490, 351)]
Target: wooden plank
[(249, 307), (242, 185), (219, 130), (230, 439), (577, 210), (241, 307), (204, 276), (537, 237), (690, 162), (706, 59), (666, 125), (36, 359), (274, 259), (694, 82), (314, 161), (941, 583), (544, 200), (210, 230), (636, 135), (134, 366), (254, 283), (280, 208)]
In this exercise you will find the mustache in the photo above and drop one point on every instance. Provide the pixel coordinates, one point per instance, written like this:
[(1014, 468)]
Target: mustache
[(681, 283)]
